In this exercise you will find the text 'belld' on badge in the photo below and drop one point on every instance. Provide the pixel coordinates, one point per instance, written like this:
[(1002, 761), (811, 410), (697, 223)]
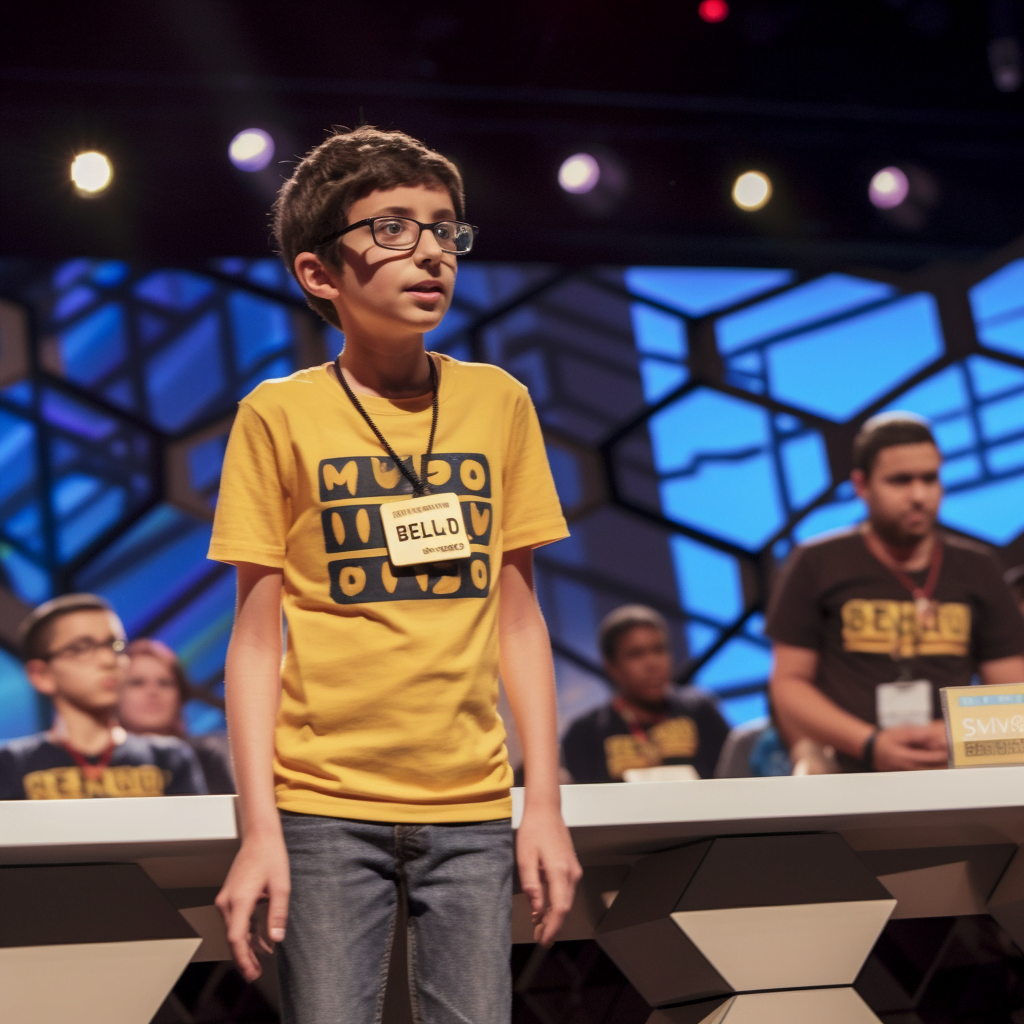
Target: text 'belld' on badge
[(427, 529)]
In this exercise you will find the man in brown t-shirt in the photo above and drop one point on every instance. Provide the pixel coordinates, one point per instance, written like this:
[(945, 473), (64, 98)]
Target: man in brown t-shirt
[(868, 624)]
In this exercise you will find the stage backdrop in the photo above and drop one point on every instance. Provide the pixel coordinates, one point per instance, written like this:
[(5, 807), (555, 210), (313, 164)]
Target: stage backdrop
[(698, 422)]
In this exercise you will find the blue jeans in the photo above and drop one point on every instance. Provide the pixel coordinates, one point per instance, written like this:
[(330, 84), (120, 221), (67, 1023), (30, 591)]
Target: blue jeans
[(347, 878)]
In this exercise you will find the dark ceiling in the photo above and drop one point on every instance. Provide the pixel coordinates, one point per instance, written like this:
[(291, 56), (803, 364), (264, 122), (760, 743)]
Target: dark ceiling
[(817, 94)]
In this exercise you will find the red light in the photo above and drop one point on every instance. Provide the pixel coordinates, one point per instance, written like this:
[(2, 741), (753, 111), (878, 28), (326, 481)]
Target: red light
[(713, 10)]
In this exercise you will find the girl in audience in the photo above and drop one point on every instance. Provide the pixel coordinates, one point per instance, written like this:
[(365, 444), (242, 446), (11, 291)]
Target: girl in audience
[(152, 701)]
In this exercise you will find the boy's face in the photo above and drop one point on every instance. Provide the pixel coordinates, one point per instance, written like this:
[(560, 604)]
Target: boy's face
[(82, 668), (384, 292), (642, 667)]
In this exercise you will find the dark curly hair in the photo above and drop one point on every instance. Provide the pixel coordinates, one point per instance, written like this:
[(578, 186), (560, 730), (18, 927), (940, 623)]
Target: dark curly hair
[(346, 167)]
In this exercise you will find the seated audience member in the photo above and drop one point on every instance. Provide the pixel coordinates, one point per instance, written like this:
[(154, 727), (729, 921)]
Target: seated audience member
[(870, 622), (152, 702), (649, 723), (74, 652)]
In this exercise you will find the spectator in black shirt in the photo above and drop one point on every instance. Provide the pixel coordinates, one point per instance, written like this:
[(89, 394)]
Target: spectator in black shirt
[(649, 724), (869, 624), (74, 651), (153, 699)]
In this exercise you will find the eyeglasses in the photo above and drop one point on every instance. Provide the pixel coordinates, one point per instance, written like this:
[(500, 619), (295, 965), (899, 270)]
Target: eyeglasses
[(87, 647), (403, 233)]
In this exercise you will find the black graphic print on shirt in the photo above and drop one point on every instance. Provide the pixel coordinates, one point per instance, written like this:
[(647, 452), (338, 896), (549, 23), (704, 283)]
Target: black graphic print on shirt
[(353, 528)]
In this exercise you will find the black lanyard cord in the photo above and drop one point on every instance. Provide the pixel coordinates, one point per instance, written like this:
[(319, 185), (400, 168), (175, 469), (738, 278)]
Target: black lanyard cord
[(419, 484)]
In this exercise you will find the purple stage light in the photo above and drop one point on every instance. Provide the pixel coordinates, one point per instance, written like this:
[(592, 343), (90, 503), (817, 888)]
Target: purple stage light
[(251, 149), (888, 188), (579, 173)]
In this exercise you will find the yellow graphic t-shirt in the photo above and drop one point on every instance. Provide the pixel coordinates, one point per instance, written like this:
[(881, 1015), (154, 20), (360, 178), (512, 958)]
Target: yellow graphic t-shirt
[(390, 676)]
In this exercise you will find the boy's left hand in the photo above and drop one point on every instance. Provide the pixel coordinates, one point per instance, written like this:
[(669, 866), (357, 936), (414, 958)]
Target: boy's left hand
[(548, 870)]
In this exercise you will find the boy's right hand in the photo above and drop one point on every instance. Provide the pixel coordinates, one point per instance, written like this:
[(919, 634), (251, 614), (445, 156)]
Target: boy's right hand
[(259, 872)]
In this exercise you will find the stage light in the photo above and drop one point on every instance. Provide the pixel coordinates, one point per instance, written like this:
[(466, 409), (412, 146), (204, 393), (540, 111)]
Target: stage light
[(1006, 63), (888, 188), (579, 173), (91, 172), (251, 150), (713, 11), (751, 190)]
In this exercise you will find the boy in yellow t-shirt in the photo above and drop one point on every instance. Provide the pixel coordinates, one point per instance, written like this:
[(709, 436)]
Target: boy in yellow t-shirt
[(390, 502)]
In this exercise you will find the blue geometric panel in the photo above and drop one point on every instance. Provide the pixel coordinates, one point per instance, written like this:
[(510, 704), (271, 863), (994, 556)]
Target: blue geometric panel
[(94, 345), (261, 328), (748, 707), (835, 371), (100, 469), (741, 661), (174, 289), (658, 333), (998, 306), (484, 286), (709, 581), (739, 480), (268, 273), (20, 511), (565, 469), (809, 303), (187, 375), (660, 378), (204, 463), (838, 514), (992, 511), (201, 630), (698, 291), (151, 565), (25, 577), (661, 337)]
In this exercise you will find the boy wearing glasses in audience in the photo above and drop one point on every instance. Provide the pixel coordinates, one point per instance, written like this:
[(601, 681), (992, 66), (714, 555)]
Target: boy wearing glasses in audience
[(390, 501), (73, 647)]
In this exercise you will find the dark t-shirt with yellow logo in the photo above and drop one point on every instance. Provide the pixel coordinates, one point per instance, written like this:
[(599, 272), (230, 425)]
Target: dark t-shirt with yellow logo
[(33, 768), (599, 746), (833, 596)]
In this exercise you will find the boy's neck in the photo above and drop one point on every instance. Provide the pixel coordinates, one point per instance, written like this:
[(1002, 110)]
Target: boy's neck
[(88, 732), (392, 372)]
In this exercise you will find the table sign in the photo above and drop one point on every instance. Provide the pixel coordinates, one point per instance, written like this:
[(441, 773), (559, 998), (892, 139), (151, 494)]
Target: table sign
[(984, 724)]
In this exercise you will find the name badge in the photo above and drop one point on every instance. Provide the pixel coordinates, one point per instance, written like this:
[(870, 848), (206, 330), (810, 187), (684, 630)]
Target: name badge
[(427, 529), (908, 703)]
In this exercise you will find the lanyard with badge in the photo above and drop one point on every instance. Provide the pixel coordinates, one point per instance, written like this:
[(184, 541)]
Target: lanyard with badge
[(427, 527), (92, 771), (909, 701)]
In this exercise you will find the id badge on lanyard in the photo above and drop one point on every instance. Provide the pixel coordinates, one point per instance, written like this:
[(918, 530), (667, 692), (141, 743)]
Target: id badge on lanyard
[(903, 703), (423, 530)]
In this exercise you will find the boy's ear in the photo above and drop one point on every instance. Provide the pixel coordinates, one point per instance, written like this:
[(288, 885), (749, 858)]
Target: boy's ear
[(859, 481), (40, 676), (315, 276)]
